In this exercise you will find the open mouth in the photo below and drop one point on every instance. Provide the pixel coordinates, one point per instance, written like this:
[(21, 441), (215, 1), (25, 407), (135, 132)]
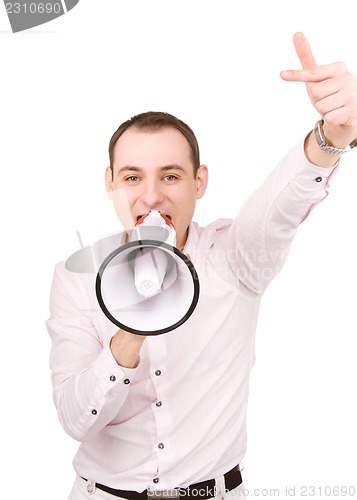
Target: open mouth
[(141, 216)]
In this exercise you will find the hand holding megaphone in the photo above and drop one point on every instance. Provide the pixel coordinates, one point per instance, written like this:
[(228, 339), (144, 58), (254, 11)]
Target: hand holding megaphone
[(148, 286)]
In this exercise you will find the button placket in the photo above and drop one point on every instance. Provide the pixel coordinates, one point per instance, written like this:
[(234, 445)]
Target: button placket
[(158, 353), (157, 375), (158, 369)]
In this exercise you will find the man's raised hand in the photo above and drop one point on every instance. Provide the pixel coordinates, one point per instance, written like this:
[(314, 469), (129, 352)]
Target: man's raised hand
[(332, 90)]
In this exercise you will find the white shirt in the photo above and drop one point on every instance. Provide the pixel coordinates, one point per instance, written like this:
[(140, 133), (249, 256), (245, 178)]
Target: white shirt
[(180, 416)]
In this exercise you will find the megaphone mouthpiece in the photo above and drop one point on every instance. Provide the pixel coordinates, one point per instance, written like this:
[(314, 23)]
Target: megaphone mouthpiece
[(154, 226)]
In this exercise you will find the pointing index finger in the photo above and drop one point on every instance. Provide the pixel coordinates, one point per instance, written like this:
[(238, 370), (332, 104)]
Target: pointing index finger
[(304, 51)]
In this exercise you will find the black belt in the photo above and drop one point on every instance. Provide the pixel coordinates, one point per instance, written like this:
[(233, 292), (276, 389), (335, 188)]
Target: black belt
[(202, 490)]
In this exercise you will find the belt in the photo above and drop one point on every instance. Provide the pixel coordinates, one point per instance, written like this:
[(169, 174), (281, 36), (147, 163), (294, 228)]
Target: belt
[(202, 490)]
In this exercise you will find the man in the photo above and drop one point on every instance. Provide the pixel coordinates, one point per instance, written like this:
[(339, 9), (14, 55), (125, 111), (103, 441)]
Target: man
[(165, 415)]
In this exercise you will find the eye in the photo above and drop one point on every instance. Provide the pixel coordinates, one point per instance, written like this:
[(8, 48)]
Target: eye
[(132, 178), (170, 177)]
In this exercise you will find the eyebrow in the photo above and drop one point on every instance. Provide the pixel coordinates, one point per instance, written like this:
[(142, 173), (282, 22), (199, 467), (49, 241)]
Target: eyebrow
[(165, 168)]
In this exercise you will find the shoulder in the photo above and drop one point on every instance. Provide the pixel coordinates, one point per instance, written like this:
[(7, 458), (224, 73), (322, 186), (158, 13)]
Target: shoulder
[(205, 236), (219, 225)]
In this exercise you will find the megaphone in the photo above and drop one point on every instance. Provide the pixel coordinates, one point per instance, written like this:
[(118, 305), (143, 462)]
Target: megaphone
[(148, 286)]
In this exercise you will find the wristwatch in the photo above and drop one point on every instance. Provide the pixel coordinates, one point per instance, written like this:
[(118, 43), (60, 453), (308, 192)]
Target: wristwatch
[(325, 146)]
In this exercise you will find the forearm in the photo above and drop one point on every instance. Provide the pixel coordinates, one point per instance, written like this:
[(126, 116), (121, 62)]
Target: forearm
[(268, 221), (89, 399)]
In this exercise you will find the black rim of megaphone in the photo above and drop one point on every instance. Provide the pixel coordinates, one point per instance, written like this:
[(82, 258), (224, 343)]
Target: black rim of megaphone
[(147, 243)]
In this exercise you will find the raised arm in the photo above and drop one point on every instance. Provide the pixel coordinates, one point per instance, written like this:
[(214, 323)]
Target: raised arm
[(267, 223)]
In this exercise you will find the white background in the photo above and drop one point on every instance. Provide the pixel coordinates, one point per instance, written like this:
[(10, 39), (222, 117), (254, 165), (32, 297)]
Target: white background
[(65, 87)]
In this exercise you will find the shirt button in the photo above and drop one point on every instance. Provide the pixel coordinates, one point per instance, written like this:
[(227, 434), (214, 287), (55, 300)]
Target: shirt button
[(318, 179), (155, 480), (126, 381), (90, 487), (158, 373), (112, 378), (161, 446), (94, 412), (158, 403)]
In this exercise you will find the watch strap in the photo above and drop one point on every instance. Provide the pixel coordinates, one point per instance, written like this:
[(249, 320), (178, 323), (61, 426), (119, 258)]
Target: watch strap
[(325, 146)]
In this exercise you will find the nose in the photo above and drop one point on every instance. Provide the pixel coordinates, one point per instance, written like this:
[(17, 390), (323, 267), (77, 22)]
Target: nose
[(152, 195)]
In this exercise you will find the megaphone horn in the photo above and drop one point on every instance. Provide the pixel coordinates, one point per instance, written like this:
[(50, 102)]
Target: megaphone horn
[(148, 286)]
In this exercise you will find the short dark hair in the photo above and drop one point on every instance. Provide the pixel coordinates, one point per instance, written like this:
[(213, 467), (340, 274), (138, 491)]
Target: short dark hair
[(155, 120)]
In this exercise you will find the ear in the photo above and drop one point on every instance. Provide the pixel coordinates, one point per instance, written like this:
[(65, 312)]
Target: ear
[(201, 181), (109, 181)]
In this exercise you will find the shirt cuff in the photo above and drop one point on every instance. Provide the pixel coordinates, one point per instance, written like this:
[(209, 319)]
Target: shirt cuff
[(311, 175), (110, 375)]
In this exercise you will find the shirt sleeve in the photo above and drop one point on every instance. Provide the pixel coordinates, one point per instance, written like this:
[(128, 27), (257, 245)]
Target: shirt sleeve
[(89, 387), (260, 237)]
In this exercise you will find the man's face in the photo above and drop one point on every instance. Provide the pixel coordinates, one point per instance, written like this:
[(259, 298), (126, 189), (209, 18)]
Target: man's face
[(156, 172)]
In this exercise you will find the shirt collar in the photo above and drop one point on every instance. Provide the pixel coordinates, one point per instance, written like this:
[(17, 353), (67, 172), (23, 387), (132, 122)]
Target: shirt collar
[(192, 240)]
